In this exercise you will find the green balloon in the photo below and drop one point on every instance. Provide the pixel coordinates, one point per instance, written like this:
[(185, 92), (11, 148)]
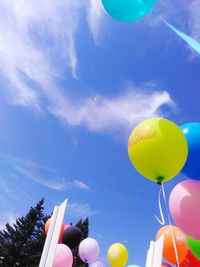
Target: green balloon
[(194, 246), (128, 10)]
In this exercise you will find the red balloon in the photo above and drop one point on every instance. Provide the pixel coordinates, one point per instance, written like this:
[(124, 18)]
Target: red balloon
[(164, 264), (190, 261)]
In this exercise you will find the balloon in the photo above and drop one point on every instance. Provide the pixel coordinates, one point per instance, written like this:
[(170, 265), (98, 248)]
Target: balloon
[(63, 257), (194, 246), (66, 226), (72, 236), (47, 225), (97, 264), (180, 242), (132, 265), (164, 264), (190, 261), (192, 134), (158, 149), (128, 10), (89, 250), (117, 255), (184, 207)]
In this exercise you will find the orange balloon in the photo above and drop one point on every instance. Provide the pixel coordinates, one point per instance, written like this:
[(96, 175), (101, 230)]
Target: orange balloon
[(47, 224), (180, 241)]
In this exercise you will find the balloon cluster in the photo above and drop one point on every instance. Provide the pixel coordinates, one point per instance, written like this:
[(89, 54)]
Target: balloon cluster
[(88, 249), (70, 238), (159, 150)]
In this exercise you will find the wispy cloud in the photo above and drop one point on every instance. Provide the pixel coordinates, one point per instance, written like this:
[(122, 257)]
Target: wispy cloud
[(38, 43), (113, 114), (95, 18), (41, 175), (32, 35), (80, 184), (80, 210)]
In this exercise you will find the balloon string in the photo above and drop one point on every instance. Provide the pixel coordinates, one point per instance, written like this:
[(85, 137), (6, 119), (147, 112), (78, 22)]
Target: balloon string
[(162, 220), (169, 220)]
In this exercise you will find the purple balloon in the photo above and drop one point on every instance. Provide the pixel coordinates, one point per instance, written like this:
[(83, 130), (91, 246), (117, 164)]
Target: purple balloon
[(97, 264), (63, 257), (89, 250)]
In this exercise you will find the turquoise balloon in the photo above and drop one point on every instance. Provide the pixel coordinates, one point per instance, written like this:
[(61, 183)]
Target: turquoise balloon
[(128, 10)]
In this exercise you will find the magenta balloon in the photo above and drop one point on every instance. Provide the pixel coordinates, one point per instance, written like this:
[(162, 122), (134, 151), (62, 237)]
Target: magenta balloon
[(60, 241), (89, 250), (63, 257), (66, 226), (184, 206), (164, 264), (97, 264)]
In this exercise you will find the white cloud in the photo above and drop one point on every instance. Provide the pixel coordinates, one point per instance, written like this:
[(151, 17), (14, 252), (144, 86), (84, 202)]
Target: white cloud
[(32, 33), (80, 184), (41, 175), (80, 210), (29, 66), (95, 18), (36, 177), (113, 114)]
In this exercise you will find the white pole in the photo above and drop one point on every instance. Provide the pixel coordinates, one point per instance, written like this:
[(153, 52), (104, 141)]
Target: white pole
[(158, 252), (150, 255), (48, 238), (51, 242)]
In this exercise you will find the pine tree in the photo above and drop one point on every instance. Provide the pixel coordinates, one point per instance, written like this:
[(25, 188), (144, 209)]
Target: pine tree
[(22, 244)]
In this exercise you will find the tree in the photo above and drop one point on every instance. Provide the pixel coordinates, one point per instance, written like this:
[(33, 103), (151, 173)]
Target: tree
[(22, 243)]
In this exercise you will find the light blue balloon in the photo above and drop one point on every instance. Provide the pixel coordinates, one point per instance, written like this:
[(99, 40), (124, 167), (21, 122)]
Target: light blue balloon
[(132, 265), (128, 10)]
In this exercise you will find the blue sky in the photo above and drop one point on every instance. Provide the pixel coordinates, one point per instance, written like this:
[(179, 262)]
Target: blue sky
[(73, 84)]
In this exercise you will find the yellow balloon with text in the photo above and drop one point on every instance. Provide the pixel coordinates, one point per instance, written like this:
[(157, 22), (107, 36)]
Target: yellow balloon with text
[(158, 149), (118, 255)]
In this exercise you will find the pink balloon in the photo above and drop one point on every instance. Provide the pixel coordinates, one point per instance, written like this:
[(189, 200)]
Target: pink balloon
[(89, 250), (63, 257), (184, 207), (66, 226), (97, 264)]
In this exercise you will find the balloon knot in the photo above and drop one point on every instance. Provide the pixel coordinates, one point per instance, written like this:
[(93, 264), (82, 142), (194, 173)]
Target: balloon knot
[(160, 180)]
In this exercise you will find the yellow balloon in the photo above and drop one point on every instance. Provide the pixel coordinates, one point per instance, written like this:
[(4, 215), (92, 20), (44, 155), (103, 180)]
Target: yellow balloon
[(117, 255), (158, 149)]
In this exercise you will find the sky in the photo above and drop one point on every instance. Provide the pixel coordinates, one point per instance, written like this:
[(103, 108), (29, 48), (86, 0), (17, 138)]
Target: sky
[(73, 84)]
